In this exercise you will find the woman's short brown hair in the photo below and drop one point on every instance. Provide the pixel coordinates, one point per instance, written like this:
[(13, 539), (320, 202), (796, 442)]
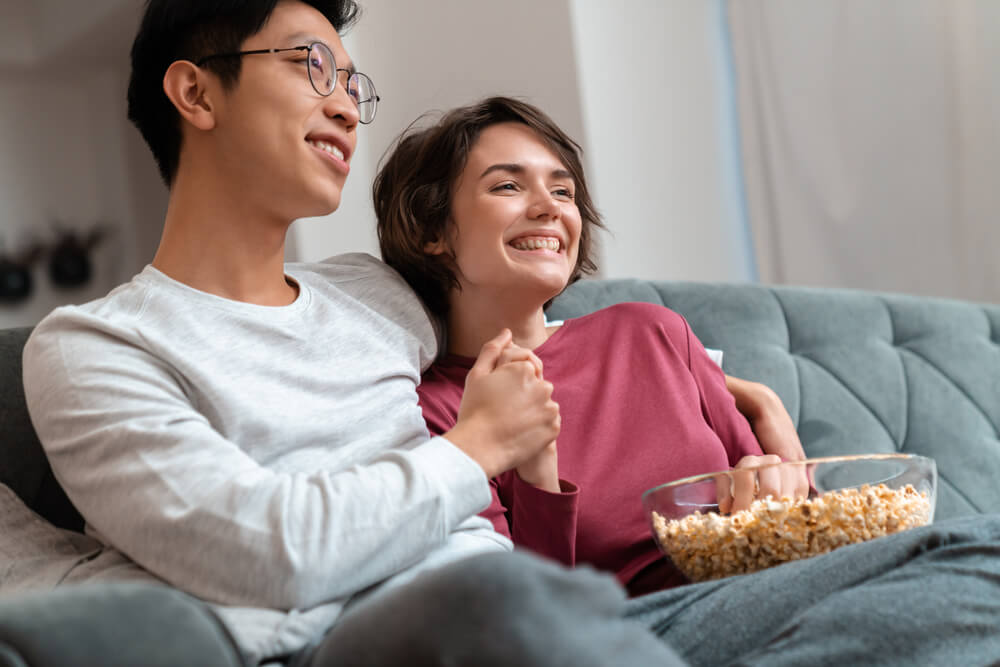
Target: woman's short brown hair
[(414, 186)]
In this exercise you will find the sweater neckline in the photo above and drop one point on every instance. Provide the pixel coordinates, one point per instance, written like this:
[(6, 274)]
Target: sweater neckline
[(153, 276)]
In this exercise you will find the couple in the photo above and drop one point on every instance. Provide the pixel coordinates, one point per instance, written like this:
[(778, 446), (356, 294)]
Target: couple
[(250, 433)]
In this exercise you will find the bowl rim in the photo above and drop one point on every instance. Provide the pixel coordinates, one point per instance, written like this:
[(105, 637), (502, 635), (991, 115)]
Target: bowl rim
[(801, 462)]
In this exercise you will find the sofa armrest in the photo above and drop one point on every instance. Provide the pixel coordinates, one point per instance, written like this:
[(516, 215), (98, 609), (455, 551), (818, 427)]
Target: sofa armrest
[(112, 624), (23, 465)]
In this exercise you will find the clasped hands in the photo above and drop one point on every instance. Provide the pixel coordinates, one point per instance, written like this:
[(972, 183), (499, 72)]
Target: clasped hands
[(507, 419)]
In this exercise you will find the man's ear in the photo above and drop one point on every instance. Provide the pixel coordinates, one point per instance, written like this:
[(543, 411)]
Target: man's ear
[(186, 86)]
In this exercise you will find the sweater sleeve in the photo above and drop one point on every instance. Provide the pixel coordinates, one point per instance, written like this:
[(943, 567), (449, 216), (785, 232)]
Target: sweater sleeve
[(157, 481), (718, 405), (540, 520)]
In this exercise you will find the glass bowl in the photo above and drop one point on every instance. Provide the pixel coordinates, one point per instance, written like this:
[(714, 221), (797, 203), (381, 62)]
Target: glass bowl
[(850, 499)]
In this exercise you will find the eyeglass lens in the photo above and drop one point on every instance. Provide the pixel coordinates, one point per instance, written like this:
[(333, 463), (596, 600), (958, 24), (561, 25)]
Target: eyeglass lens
[(360, 87), (322, 68), (323, 76)]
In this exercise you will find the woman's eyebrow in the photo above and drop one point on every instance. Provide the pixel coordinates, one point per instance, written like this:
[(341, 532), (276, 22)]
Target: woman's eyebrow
[(515, 168)]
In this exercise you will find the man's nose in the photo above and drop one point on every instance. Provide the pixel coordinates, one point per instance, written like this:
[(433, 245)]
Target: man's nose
[(339, 104)]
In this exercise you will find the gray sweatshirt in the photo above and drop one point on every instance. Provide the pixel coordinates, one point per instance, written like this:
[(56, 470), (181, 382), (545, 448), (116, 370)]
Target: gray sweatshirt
[(270, 460)]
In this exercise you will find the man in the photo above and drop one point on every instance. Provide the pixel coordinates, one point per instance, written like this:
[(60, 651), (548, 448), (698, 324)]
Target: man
[(248, 432)]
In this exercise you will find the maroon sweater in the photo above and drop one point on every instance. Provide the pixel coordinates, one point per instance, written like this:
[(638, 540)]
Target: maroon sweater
[(641, 404)]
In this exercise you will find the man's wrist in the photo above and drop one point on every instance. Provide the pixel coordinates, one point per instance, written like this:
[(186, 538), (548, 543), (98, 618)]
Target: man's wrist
[(464, 437)]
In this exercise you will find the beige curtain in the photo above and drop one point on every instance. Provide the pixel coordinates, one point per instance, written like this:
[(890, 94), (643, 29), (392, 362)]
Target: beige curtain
[(871, 147)]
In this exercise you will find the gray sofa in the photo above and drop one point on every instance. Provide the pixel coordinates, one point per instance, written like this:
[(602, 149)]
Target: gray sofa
[(859, 372)]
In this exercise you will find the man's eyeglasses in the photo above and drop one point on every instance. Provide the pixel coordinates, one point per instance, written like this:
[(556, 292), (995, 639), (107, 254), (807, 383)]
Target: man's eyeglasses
[(323, 75)]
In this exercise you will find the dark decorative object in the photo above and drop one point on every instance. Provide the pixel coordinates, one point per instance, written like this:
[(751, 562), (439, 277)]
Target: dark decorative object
[(15, 274), (69, 257)]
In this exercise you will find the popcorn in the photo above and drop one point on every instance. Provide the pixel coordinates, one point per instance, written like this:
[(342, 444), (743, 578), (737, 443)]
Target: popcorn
[(770, 532)]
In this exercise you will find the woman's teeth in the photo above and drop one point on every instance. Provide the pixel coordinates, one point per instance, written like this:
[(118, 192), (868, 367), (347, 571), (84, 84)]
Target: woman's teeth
[(329, 148), (536, 244)]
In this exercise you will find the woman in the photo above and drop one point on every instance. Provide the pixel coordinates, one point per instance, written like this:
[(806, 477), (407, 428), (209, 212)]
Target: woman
[(488, 217)]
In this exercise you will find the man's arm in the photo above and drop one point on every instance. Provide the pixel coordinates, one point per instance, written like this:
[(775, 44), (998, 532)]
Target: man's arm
[(156, 480), (768, 418)]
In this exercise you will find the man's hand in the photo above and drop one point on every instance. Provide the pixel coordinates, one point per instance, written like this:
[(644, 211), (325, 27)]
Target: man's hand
[(507, 416), (768, 418)]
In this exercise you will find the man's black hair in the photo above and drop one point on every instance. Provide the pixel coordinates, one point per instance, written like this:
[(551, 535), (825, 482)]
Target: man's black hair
[(189, 30)]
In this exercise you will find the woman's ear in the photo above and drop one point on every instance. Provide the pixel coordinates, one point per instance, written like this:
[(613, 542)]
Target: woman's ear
[(438, 247), (186, 86)]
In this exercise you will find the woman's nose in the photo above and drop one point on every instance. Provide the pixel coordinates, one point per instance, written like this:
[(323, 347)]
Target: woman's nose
[(544, 206)]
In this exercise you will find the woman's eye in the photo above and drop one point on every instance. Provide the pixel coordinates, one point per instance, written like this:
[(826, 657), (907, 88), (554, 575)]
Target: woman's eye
[(510, 187), (564, 193)]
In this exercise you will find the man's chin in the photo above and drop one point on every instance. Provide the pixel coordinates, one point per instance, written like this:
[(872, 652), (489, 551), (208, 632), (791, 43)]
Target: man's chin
[(322, 208)]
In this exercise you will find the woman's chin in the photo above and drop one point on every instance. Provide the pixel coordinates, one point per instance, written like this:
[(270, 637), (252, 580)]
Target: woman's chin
[(544, 290)]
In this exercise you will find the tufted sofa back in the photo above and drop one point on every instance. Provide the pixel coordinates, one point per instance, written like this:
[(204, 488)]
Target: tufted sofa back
[(860, 372)]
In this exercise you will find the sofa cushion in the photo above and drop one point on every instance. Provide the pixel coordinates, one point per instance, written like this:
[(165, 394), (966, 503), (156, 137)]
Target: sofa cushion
[(34, 554), (858, 371)]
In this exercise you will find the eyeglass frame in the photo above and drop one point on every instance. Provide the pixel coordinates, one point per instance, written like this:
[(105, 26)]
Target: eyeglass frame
[(351, 74)]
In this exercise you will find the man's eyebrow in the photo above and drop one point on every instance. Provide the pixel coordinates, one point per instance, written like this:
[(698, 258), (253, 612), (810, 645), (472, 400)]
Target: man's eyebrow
[(515, 168), (305, 38)]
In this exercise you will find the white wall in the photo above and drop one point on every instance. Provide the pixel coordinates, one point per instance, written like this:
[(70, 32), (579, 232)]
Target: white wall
[(63, 22), (68, 160), (63, 169), (653, 92), (17, 28)]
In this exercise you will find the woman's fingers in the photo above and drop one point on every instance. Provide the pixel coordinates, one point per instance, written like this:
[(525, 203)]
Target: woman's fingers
[(490, 353), (795, 482), (744, 489), (724, 493), (513, 353), (756, 477), (769, 482)]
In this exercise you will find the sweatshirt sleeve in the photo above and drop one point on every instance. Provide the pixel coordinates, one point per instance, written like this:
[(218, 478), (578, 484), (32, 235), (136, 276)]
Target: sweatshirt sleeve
[(157, 481), (718, 405)]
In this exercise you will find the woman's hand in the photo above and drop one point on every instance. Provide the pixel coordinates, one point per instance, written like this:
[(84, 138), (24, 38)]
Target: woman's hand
[(749, 481), (542, 470)]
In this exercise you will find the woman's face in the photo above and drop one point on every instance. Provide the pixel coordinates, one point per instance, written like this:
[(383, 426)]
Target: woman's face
[(515, 226)]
